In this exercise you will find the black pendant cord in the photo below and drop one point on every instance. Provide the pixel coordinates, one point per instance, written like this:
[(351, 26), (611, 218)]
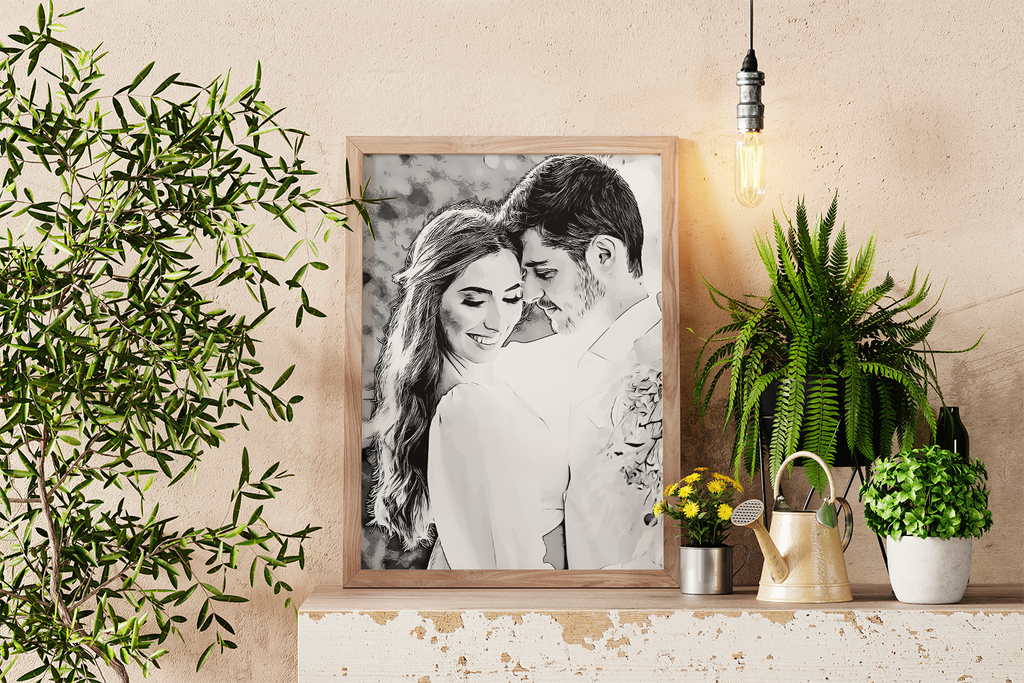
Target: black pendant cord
[(751, 24), (750, 61)]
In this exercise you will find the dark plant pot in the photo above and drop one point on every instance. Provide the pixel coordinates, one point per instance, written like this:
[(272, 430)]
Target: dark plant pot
[(843, 456)]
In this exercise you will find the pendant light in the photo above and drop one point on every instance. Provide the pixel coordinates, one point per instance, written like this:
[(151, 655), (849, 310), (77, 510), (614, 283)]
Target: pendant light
[(750, 121)]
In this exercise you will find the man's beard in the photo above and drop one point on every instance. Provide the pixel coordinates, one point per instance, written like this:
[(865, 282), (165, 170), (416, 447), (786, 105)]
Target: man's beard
[(587, 291)]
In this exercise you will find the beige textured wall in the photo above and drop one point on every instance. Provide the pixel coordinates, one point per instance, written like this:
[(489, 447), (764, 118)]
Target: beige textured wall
[(910, 109)]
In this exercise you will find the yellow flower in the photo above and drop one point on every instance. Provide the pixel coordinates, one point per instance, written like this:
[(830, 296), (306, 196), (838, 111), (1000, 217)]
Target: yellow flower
[(691, 510), (691, 478), (685, 492), (658, 505), (725, 512), (716, 486), (700, 469), (671, 490), (735, 484)]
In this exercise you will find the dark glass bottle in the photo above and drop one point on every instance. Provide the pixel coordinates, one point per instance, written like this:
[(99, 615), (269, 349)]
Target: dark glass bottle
[(950, 433)]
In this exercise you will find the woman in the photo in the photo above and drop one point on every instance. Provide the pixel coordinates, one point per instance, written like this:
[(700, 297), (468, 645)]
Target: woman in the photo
[(454, 445)]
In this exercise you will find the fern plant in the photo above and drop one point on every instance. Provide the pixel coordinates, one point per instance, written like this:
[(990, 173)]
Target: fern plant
[(835, 347)]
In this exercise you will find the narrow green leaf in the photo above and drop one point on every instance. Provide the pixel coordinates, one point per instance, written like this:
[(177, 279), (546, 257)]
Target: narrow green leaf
[(165, 84), (283, 378), (141, 76), (206, 655)]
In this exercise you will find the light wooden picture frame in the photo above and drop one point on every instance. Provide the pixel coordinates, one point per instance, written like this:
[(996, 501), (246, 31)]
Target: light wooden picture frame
[(418, 180)]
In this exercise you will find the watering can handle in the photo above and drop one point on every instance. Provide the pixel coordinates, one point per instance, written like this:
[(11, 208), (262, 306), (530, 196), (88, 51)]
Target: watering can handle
[(848, 522), (828, 473)]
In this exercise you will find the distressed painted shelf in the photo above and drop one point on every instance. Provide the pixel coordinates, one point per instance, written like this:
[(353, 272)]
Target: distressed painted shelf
[(432, 635)]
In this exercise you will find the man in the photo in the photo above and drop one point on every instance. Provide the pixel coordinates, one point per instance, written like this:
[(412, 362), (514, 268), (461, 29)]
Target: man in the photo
[(596, 381)]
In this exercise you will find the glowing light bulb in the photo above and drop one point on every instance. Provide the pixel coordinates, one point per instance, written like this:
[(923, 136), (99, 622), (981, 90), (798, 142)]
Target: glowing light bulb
[(750, 123), (749, 168)]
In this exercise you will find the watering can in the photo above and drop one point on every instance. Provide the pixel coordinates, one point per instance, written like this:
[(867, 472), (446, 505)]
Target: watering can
[(803, 555)]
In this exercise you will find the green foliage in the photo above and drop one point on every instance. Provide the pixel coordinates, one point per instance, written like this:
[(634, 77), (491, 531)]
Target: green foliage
[(927, 492), (118, 368), (837, 347)]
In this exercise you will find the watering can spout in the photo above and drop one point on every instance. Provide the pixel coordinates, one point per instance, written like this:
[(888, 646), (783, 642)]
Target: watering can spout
[(750, 513)]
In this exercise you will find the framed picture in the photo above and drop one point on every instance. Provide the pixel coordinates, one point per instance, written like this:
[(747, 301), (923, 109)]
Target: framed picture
[(511, 363)]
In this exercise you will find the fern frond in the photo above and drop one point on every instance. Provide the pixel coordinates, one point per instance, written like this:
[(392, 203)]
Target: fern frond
[(792, 412), (916, 392), (855, 395), (796, 247), (753, 400), (702, 401), (815, 475), (826, 225), (745, 335), (839, 259), (821, 417), (863, 268), (746, 440), (887, 417), (767, 254)]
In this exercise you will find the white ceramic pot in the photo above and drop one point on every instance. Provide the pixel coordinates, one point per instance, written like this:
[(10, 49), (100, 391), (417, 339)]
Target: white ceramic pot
[(929, 571)]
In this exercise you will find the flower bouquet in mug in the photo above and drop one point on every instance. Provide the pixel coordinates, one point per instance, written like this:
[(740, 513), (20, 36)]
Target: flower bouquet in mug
[(701, 504)]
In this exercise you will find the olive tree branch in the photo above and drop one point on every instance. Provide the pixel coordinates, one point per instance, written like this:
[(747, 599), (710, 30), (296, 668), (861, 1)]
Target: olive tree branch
[(170, 542), (51, 534)]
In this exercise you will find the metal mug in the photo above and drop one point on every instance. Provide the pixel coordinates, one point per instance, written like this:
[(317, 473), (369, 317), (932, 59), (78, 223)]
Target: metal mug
[(708, 571)]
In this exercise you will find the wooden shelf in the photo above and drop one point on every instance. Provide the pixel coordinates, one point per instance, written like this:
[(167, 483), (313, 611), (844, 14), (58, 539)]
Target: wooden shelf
[(327, 599)]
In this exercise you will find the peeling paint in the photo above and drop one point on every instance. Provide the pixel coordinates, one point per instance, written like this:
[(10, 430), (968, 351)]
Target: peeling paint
[(578, 627), (776, 617), (707, 615), (380, 617), (419, 632), (642, 619), (849, 616), (516, 617), (617, 643), (506, 657), (444, 622)]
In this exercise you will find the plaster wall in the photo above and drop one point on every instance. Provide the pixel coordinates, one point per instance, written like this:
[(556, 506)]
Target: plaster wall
[(908, 109)]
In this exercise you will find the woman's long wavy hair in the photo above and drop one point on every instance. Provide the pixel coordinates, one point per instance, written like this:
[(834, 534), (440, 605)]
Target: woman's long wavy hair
[(408, 373)]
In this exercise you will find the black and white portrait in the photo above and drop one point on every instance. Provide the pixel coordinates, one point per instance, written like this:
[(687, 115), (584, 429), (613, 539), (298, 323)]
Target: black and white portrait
[(512, 362)]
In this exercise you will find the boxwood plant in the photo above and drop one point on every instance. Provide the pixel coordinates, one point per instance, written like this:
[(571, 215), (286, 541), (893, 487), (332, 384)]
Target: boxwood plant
[(927, 492)]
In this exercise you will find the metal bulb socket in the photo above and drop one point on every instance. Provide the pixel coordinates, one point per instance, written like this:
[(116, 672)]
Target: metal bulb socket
[(750, 111)]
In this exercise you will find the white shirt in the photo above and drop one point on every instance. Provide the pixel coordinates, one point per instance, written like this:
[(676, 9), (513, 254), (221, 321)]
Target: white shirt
[(487, 480), (565, 382)]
